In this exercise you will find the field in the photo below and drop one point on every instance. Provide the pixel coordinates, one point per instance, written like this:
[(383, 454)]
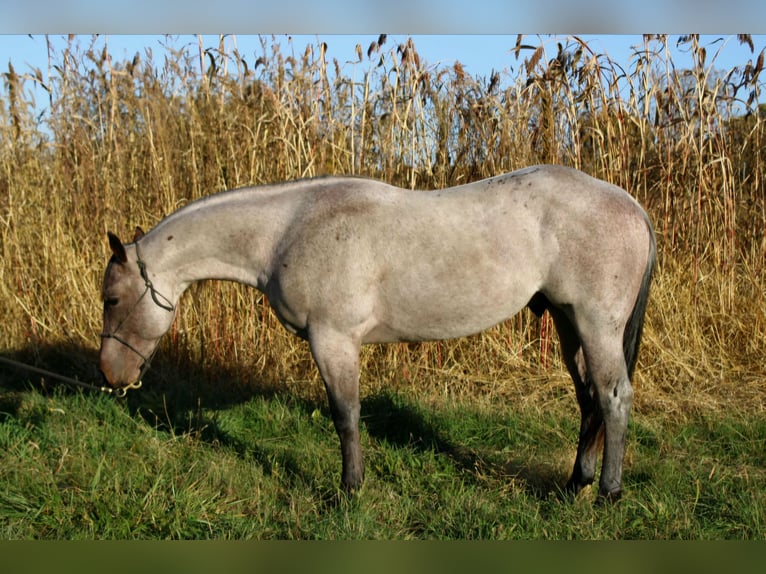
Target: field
[(231, 438)]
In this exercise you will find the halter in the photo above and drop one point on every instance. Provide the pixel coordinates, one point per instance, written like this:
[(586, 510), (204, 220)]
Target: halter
[(162, 302)]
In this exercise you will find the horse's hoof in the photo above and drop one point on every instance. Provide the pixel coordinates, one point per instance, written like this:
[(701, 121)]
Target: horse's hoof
[(574, 486), (609, 497), (351, 486)]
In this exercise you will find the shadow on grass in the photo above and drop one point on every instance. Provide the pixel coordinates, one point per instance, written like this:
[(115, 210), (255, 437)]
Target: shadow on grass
[(183, 384), (68, 360), (177, 395), (389, 418)]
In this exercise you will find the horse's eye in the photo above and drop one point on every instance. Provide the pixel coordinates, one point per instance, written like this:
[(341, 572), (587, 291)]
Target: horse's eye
[(111, 301)]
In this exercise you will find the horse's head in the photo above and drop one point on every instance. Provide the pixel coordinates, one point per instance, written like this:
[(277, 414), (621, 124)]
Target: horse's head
[(136, 315)]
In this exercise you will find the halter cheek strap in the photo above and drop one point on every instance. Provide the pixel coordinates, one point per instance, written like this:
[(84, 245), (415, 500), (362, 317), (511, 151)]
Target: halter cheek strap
[(162, 302), (159, 299)]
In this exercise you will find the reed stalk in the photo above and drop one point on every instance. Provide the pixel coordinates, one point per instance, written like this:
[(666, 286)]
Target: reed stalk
[(125, 142)]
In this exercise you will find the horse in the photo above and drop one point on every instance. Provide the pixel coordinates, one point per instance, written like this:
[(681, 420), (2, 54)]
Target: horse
[(346, 261)]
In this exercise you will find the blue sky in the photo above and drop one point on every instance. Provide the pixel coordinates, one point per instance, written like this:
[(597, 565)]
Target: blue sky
[(479, 33), (405, 16), (479, 54)]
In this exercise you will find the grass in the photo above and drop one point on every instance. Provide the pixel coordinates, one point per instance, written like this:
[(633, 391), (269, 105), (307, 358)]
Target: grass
[(82, 466), (463, 439)]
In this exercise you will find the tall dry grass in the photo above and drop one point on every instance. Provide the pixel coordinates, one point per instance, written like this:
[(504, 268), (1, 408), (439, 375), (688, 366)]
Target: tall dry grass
[(126, 142)]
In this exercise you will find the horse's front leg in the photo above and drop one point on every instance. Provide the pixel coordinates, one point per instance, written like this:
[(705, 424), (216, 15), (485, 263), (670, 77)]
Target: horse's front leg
[(337, 357)]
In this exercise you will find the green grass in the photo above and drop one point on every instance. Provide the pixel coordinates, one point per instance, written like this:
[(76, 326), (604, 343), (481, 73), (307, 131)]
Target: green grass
[(165, 464), (231, 436)]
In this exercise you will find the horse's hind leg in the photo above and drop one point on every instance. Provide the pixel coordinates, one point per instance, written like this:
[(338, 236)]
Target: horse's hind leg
[(614, 393), (591, 420), (337, 357)]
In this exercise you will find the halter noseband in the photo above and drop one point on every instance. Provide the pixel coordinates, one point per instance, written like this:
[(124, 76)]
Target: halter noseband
[(162, 302)]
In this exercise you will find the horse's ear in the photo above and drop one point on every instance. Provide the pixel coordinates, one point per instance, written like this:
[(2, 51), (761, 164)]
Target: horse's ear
[(138, 234), (117, 247)]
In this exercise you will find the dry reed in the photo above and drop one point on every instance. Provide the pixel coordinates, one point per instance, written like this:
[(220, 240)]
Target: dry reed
[(127, 142)]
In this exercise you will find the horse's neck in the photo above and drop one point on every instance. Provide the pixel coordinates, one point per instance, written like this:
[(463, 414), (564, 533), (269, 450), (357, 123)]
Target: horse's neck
[(229, 240)]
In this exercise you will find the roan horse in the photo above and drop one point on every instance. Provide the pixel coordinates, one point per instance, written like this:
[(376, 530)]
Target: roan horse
[(346, 261)]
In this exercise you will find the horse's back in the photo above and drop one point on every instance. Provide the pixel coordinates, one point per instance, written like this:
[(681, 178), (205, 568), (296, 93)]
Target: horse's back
[(414, 265)]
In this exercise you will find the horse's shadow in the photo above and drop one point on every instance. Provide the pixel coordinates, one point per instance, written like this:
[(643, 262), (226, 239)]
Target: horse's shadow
[(391, 419), (178, 397), (70, 360), (181, 398)]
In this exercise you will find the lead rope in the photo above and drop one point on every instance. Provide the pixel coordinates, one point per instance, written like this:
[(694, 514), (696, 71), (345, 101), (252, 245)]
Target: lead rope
[(116, 392)]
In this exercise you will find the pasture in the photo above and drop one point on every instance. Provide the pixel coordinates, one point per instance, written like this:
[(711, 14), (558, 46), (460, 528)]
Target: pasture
[(231, 436)]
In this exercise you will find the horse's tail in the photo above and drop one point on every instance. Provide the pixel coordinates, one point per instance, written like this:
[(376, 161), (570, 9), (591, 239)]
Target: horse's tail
[(631, 339)]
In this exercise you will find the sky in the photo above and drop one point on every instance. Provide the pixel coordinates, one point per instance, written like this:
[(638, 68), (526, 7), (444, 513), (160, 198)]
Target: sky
[(480, 54), (401, 16), (478, 33)]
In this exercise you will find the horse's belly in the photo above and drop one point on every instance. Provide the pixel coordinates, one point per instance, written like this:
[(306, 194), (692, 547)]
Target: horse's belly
[(438, 319)]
